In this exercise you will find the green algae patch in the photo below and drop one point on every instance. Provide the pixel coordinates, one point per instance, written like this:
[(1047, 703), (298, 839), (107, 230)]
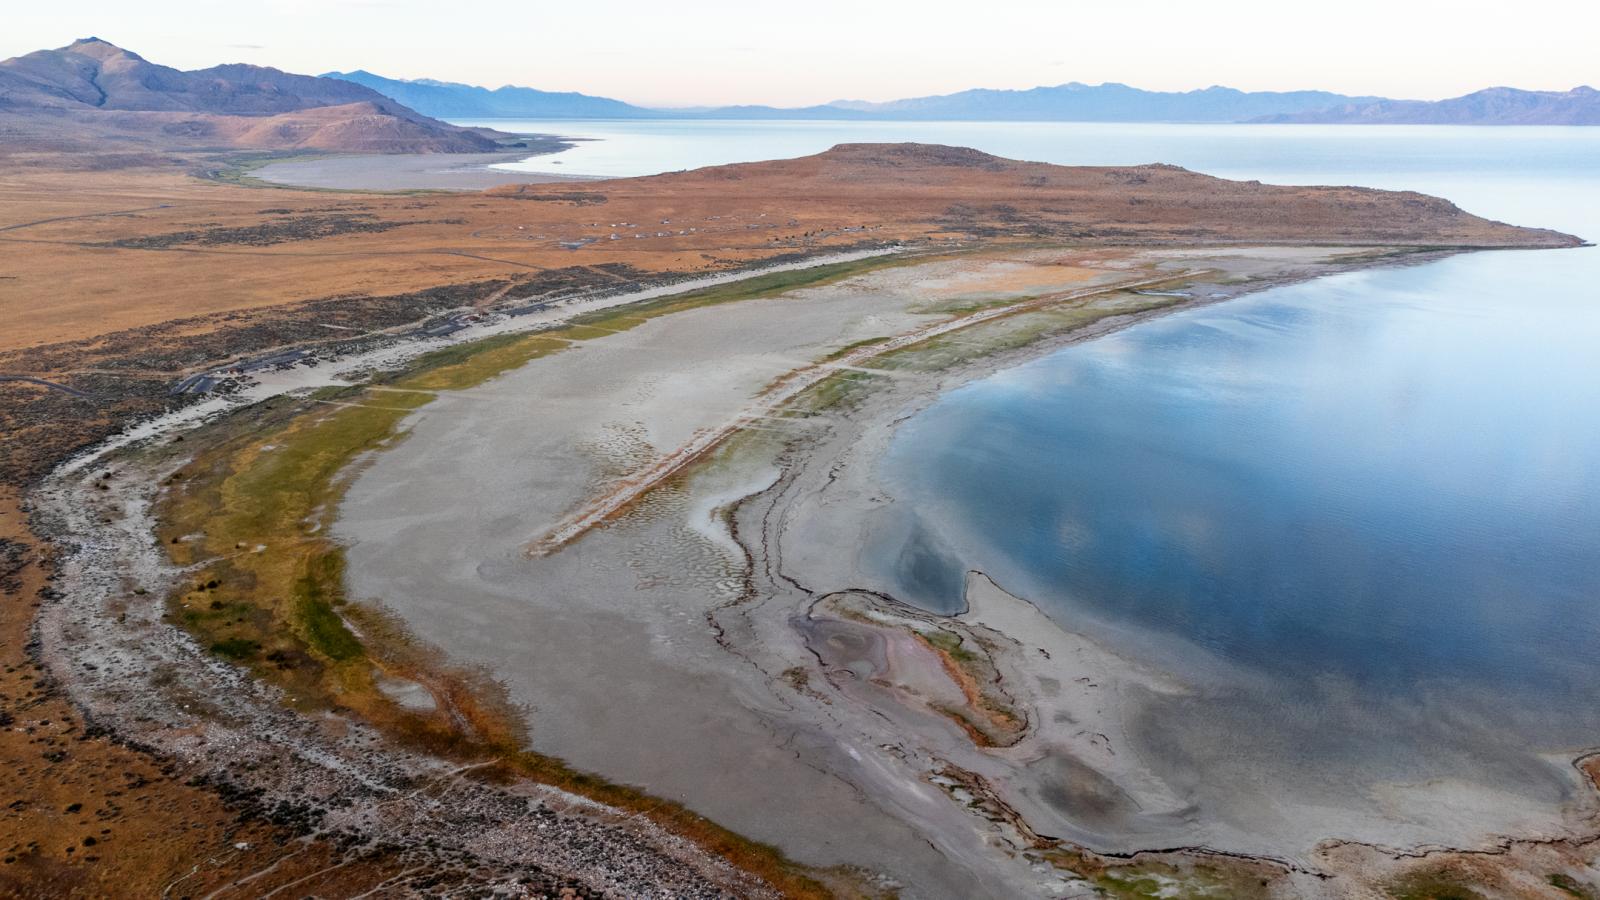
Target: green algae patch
[(1020, 330), (1431, 887), (950, 644), (322, 628), (840, 391), (468, 365), (847, 349), (1138, 884), (1168, 876), (236, 648), (1569, 885)]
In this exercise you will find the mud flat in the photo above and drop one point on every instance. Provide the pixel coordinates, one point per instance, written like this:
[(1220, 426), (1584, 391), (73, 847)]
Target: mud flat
[(713, 642)]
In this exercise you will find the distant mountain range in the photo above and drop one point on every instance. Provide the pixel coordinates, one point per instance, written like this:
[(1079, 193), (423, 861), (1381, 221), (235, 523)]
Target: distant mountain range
[(1073, 102), (1493, 106), (92, 89), (464, 101), (93, 93), (1068, 103)]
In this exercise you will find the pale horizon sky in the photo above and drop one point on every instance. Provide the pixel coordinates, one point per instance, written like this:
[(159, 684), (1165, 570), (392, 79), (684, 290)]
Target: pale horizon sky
[(723, 52)]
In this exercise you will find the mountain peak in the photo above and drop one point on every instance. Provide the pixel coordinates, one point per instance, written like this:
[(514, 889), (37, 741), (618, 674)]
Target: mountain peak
[(233, 104), (98, 48)]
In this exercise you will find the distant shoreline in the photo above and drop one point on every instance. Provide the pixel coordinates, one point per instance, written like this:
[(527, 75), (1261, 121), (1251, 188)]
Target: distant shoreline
[(412, 171)]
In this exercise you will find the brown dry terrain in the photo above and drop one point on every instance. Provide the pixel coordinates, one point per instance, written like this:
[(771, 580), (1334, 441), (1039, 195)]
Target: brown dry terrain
[(968, 192), (69, 235), (120, 273), (85, 816), (119, 281)]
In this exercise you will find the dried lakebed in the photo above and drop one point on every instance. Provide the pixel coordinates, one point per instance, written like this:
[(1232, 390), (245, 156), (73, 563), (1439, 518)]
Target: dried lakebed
[(708, 642)]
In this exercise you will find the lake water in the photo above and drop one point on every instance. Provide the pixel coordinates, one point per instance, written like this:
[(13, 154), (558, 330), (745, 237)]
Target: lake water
[(1393, 475), (1373, 499), (1520, 161), (1380, 466)]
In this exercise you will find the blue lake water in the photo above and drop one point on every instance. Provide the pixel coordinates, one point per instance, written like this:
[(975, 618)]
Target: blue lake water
[(1380, 490), (1390, 475)]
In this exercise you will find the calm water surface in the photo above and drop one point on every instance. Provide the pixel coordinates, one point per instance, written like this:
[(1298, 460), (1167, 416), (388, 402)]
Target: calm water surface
[(1416, 157), (1392, 475), (1381, 490)]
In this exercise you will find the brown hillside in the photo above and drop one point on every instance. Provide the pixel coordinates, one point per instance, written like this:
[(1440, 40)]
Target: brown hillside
[(364, 127), (92, 92), (977, 192), (131, 247)]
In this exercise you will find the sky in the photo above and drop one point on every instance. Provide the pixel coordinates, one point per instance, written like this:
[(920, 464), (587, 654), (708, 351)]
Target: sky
[(663, 53)]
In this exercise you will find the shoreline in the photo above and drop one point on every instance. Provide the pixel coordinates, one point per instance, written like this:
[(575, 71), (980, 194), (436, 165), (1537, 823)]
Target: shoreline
[(398, 352), (806, 566), (111, 639), (1004, 358), (751, 641), (414, 171)]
